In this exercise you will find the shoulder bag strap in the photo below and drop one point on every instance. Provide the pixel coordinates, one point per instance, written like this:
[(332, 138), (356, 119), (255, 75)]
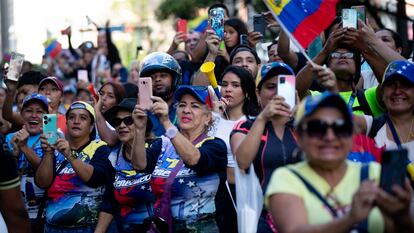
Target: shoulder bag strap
[(315, 192), (364, 175), (394, 132)]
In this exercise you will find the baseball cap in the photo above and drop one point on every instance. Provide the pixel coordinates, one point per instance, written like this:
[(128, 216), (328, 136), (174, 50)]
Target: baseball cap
[(272, 69), (400, 68), (127, 104), (242, 48), (36, 97), (81, 105), (199, 92), (54, 80), (327, 99)]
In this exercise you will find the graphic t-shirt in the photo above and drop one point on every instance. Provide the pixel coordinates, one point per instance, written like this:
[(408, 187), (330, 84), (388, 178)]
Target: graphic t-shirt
[(31, 193), (339, 197), (132, 190), (72, 202), (194, 187)]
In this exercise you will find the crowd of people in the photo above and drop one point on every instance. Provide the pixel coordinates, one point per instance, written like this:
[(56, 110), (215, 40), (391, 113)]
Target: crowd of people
[(119, 165)]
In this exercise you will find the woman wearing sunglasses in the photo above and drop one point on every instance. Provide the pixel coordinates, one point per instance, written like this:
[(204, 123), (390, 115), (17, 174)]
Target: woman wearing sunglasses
[(268, 141), (327, 193), (189, 165), (128, 198)]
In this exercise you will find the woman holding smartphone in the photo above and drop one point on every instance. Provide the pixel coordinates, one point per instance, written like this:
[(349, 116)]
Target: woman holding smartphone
[(128, 199), (267, 142), (110, 94), (189, 165), (238, 102), (327, 192)]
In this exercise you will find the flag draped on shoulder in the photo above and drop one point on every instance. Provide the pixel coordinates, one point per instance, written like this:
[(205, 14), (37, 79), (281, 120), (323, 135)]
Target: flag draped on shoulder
[(303, 19)]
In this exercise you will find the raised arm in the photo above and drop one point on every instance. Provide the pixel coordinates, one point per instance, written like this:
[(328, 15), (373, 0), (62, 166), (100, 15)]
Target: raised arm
[(178, 39), (8, 114), (138, 152), (45, 172), (106, 134), (213, 42)]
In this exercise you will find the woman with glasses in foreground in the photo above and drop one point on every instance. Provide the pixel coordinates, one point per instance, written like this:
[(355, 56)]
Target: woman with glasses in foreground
[(187, 168), (129, 199), (327, 193)]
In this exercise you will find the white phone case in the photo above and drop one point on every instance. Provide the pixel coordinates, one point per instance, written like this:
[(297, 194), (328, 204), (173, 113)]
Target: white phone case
[(286, 87)]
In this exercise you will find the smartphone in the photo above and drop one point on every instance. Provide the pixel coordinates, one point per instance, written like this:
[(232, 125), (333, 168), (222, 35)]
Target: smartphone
[(145, 92), (15, 66), (259, 24), (243, 39), (182, 26), (216, 21), (349, 18), (393, 168), (50, 128), (286, 87), (360, 12), (83, 76)]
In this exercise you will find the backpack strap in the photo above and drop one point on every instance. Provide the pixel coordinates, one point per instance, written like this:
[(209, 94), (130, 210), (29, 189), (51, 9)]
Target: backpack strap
[(363, 103), (377, 124)]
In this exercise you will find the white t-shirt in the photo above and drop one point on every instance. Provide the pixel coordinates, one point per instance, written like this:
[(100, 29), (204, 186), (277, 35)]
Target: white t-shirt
[(222, 129), (369, 79), (382, 140)]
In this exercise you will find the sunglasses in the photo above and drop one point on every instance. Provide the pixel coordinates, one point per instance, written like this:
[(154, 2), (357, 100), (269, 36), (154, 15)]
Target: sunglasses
[(318, 128), (347, 55), (115, 122)]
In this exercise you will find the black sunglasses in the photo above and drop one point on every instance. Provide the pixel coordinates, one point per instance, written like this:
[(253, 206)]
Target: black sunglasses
[(318, 128), (115, 122)]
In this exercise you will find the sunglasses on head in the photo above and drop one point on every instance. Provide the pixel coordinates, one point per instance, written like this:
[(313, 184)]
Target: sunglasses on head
[(318, 128), (348, 55), (115, 122)]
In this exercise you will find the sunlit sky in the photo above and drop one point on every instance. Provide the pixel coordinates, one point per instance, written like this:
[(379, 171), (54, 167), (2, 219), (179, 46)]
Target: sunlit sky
[(33, 20)]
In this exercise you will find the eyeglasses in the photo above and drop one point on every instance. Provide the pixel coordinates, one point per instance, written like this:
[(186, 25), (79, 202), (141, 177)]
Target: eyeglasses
[(347, 55), (318, 128), (118, 121)]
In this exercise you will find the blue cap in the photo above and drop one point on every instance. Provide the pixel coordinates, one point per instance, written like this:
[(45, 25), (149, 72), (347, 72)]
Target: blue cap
[(327, 99), (199, 92), (400, 68), (272, 69), (36, 97)]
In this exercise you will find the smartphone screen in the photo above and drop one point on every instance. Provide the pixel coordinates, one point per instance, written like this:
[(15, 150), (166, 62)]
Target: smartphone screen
[(145, 92), (360, 12), (349, 18), (286, 86), (393, 169), (50, 128), (216, 21), (15, 66), (259, 24), (83, 76)]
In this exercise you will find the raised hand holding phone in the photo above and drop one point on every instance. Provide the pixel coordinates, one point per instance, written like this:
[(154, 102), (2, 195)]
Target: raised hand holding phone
[(393, 169), (50, 128)]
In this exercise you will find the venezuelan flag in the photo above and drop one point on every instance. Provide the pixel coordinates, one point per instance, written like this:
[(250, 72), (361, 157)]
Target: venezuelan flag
[(52, 48), (303, 19)]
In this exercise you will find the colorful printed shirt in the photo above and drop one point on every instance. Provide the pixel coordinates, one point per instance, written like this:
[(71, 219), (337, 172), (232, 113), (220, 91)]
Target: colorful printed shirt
[(131, 190), (194, 187), (31, 193), (72, 202)]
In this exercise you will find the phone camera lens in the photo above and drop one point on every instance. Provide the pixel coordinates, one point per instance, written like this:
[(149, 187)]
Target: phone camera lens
[(282, 80), (45, 117)]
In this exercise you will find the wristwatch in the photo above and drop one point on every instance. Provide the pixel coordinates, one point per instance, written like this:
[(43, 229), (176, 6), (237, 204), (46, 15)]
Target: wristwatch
[(171, 132)]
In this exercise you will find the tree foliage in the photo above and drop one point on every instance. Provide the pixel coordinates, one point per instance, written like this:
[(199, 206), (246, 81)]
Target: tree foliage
[(185, 9)]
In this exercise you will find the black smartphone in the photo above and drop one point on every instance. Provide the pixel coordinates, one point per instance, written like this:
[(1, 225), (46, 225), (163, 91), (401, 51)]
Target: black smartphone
[(259, 24), (393, 168)]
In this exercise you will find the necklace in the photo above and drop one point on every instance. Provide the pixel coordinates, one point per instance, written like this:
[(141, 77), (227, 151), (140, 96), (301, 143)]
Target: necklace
[(409, 135)]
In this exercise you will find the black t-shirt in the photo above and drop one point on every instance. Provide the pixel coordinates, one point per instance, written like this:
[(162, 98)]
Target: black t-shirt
[(8, 173), (273, 152)]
